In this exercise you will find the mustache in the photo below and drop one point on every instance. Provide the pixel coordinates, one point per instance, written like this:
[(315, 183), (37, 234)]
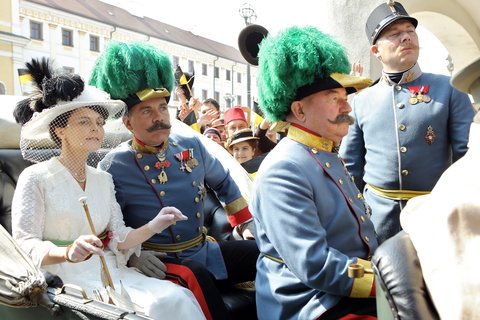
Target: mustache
[(343, 118), (409, 46), (159, 125)]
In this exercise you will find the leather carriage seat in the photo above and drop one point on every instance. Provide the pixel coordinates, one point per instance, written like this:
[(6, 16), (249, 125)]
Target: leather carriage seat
[(11, 165), (240, 303), (400, 284)]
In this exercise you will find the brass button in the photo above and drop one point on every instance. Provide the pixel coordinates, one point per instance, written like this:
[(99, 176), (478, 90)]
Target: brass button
[(353, 178), (340, 181), (178, 237), (139, 156), (398, 87), (314, 150), (197, 199), (402, 127), (362, 218), (350, 199), (403, 149), (146, 168), (194, 183), (198, 215), (367, 239), (400, 105), (161, 193), (404, 172), (327, 164), (154, 181), (360, 196)]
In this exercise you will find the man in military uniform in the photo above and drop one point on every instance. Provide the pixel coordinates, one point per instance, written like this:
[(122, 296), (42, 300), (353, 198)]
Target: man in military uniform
[(158, 168), (409, 126), (448, 251), (310, 219)]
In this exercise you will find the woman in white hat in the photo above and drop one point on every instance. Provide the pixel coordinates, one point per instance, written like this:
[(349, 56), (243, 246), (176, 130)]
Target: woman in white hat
[(63, 129)]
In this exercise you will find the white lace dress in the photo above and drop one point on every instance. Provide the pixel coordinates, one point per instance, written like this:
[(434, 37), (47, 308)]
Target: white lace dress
[(46, 209)]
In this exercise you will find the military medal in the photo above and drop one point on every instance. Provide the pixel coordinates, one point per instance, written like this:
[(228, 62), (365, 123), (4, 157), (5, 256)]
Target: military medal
[(187, 161), (161, 164), (423, 92), (191, 162), (430, 136), (419, 94), (420, 97), (414, 97), (202, 191)]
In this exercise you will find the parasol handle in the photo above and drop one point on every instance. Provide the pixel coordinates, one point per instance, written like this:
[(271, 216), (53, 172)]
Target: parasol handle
[(109, 280)]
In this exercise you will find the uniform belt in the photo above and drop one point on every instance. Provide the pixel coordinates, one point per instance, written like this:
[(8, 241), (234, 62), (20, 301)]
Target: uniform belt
[(273, 258), (397, 194), (179, 246)]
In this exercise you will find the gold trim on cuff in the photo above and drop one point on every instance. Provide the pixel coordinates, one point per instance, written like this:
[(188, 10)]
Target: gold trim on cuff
[(362, 287), (236, 206)]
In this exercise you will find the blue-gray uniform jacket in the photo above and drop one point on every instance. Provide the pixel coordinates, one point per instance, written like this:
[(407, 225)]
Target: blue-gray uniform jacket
[(137, 173), (400, 147), (310, 225)]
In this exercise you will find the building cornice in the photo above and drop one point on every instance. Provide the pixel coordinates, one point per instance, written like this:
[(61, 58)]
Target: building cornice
[(75, 22), (13, 38)]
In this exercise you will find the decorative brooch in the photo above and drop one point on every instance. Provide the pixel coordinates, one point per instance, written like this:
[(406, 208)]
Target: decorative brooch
[(430, 135)]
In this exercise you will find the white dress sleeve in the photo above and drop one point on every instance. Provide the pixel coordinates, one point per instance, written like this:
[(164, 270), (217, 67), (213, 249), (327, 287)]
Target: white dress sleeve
[(118, 228), (28, 215)]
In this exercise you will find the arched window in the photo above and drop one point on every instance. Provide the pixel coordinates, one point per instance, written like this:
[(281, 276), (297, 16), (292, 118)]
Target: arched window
[(3, 89)]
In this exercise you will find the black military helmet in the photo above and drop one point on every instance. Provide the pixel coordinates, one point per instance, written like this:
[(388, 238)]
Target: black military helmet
[(384, 15)]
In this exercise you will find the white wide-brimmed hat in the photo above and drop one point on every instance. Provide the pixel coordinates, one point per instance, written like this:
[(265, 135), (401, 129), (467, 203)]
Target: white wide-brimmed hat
[(38, 127)]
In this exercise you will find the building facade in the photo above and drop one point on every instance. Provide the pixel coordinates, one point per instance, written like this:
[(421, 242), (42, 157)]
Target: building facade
[(74, 32)]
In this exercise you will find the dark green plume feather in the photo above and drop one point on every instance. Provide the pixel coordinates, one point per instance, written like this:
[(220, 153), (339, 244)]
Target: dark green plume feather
[(294, 58), (126, 68)]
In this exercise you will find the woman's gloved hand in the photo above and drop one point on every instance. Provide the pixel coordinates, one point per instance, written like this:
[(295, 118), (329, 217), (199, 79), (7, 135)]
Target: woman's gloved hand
[(165, 218)]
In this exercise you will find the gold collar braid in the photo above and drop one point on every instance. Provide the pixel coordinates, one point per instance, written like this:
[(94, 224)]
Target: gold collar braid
[(309, 139), (139, 147)]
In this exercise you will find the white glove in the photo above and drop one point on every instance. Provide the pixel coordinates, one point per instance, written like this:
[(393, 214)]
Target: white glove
[(165, 218)]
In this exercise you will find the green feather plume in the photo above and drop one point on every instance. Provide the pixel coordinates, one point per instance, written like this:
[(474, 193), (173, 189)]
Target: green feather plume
[(126, 68), (294, 58)]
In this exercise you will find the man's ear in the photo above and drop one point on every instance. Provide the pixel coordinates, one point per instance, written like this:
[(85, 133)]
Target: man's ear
[(374, 50), (60, 132), (297, 111), (126, 122)]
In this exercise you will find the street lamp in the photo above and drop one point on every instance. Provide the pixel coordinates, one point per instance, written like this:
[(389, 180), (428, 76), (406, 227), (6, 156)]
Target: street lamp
[(248, 14), (450, 65), (229, 98)]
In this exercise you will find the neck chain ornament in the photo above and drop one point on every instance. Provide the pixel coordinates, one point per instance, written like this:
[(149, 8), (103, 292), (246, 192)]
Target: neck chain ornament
[(74, 174), (160, 154), (162, 163)]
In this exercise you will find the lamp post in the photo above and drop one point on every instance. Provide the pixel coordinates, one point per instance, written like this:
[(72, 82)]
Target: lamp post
[(450, 65), (229, 99), (247, 12)]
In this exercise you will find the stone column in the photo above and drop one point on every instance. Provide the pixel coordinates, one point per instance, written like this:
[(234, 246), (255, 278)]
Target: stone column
[(346, 21), (83, 47), (53, 40)]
